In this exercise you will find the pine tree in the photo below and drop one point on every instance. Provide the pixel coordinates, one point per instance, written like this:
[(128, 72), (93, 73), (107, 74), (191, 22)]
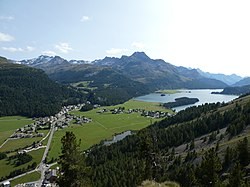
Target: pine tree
[(236, 177), (244, 155), (228, 158), (73, 172), (209, 169)]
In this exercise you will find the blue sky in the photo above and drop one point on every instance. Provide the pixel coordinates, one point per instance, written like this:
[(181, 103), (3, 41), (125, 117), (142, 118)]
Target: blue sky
[(211, 35)]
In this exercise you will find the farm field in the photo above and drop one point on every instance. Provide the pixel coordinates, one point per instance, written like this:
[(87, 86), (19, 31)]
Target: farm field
[(9, 124), (27, 178), (15, 144), (6, 168), (104, 126)]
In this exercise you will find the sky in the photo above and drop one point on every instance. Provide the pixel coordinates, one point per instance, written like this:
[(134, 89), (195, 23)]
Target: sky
[(211, 35)]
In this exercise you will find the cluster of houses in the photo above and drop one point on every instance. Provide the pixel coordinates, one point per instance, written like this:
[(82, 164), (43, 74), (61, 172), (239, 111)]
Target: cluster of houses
[(50, 178), (28, 131), (155, 114), (151, 114), (81, 120)]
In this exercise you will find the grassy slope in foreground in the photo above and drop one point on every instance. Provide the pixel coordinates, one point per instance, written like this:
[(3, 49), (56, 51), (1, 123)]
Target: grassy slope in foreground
[(106, 125), (9, 124)]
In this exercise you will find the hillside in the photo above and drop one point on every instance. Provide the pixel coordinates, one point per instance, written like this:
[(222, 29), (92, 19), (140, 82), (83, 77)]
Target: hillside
[(228, 79), (237, 90), (196, 147), (243, 82), (29, 92)]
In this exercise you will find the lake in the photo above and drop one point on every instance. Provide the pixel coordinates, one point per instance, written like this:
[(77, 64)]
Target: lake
[(204, 96), (117, 138)]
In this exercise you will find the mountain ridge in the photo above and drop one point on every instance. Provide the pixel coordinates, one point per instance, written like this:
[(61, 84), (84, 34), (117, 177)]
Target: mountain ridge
[(228, 79), (243, 82), (153, 73)]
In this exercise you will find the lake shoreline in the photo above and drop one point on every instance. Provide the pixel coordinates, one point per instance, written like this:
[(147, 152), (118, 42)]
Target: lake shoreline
[(204, 96)]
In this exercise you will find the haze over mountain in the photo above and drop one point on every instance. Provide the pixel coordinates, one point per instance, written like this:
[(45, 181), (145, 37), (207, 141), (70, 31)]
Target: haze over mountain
[(155, 74), (243, 82), (228, 79)]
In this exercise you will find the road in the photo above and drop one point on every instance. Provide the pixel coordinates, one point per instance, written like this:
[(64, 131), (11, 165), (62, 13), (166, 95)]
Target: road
[(18, 176), (42, 166)]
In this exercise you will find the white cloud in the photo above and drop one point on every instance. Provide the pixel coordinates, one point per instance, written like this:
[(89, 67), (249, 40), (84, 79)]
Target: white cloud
[(8, 18), (49, 53), (85, 18), (63, 47), (18, 49), (30, 49), (12, 49), (6, 37), (138, 45), (116, 51)]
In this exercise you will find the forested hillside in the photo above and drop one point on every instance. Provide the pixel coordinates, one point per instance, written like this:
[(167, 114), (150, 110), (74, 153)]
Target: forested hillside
[(106, 86), (238, 90), (29, 92)]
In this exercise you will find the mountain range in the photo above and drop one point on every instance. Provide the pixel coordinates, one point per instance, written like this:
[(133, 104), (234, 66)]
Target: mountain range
[(243, 82), (228, 79), (153, 73)]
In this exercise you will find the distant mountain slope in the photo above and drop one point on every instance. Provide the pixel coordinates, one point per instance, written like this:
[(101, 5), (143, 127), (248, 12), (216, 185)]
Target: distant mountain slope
[(29, 92), (243, 82), (158, 73), (139, 69), (111, 87), (45, 61), (228, 79)]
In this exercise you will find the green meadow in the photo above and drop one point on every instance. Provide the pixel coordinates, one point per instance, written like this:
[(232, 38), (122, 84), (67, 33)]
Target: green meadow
[(15, 144), (9, 124), (104, 126), (168, 91), (34, 176), (6, 167)]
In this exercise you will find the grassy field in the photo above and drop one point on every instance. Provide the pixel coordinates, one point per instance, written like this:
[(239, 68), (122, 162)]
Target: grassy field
[(84, 84), (27, 178), (19, 143), (134, 104), (167, 91), (6, 168), (9, 124), (105, 126)]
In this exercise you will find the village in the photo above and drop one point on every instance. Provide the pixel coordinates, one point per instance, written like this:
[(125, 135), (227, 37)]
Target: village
[(144, 113), (62, 120)]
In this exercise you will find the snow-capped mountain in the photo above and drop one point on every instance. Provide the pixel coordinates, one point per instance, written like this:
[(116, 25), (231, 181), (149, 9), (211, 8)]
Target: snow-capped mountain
[(49, 60)]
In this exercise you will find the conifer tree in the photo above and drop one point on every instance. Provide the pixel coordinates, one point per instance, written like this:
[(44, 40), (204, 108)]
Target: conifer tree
[(236, 176), (209, 169), (73, 172)]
